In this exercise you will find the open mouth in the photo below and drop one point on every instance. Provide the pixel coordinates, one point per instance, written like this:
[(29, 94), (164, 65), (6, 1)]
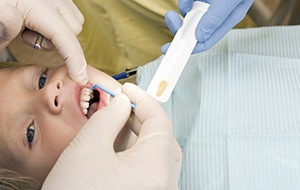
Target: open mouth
[(90, 101), (93, 103)]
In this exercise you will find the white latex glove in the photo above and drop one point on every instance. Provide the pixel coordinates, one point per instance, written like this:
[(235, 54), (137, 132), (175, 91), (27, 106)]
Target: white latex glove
[(57, 20), (90, 162)]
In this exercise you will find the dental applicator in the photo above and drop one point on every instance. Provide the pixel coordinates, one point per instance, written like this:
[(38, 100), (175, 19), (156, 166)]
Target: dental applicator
[(177, 55), (108, 92)]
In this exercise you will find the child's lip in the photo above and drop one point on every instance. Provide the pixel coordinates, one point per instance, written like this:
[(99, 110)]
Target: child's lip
[(104, 99)]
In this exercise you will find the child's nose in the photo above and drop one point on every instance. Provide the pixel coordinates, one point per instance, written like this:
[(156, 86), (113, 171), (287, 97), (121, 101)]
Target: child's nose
[(52, 95)]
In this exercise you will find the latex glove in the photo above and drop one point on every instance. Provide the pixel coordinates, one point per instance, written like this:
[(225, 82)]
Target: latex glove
[(222, 15), (90, 162), (57, 20)]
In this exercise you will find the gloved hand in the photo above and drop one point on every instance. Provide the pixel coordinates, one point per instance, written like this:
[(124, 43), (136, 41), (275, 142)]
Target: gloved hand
[(90, 161), (222, 15), (57, 20)]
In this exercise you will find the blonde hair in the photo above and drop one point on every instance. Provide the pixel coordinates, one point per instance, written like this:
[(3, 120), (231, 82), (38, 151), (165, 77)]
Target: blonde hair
[(4, 65), (10, 180)]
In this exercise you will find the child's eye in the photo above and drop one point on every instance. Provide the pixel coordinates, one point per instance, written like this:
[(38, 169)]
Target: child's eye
[(30, 133), (42, 80)]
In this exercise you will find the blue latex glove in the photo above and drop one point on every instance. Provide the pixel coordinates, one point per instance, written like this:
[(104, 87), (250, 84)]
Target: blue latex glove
[(222, 15)]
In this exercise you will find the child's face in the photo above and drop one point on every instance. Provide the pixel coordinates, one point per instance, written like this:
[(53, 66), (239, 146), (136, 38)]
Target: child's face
[(40, 114)]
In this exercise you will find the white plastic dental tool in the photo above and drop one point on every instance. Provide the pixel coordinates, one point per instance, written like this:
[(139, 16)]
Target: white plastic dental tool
[(177, 55)]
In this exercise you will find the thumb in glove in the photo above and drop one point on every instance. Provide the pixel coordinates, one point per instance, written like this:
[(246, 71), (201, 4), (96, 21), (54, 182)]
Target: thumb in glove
[(10, 25), (86, 157)]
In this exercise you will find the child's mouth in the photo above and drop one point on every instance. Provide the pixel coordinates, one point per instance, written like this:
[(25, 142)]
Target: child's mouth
[(91, 101)]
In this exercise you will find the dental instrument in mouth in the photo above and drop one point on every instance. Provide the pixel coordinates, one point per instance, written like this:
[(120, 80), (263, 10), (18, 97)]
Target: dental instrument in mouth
[(108, 92), (177, 55)]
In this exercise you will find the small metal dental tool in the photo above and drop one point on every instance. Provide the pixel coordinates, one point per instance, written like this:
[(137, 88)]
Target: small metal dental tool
[(108, 92), (38, 42)]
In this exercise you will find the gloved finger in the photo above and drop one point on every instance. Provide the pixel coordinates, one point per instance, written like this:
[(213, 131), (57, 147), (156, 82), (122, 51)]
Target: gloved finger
[(77, 12), (165, 48), (53, 27), (90, 155), (30, 38), (173, 21), (71, 15), (148, 111), (201, 46), (214, 18), (105, 124), (155, 143), (10, 25), (185, 6), (134, 123), (235, 17)]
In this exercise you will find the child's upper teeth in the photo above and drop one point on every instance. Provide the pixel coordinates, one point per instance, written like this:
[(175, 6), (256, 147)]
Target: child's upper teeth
[(84, 99), (84, 105)]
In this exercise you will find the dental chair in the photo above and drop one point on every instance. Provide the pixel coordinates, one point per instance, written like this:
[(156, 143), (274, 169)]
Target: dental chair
[(285, 13)]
